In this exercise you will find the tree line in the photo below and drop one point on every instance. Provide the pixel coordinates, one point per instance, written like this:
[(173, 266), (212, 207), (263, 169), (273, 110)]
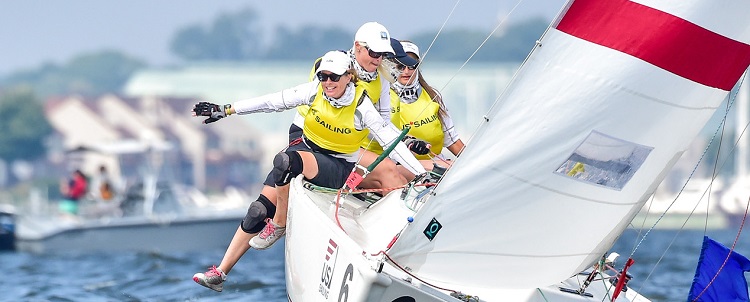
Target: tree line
[(238, 37), (230, 37)]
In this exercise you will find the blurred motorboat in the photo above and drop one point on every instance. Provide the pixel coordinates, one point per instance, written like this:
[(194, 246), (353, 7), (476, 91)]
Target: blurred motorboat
[(7, 227), (175, 218), (152, 214)]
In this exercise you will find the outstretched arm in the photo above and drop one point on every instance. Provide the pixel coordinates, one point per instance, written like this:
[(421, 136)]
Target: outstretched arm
[(277, 101), (273, 102)]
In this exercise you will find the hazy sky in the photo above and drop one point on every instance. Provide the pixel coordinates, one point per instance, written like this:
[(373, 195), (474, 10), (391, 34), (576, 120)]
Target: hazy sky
[(33, 31)]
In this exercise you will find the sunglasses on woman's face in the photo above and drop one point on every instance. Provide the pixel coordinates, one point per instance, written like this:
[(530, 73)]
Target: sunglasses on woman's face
[(325, 76), (401, 67), (373, 54)]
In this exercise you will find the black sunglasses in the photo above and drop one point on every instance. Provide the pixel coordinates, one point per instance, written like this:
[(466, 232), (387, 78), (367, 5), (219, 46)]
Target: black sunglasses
[(401, 67), (373, 54), (322, 77)]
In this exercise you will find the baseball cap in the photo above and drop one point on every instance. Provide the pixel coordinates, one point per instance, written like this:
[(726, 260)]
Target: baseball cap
[(400, 55), (335, 61), (376, 36), (411, 47)]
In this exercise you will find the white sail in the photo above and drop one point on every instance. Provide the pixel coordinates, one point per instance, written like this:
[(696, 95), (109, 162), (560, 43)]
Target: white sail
[(589, 126)]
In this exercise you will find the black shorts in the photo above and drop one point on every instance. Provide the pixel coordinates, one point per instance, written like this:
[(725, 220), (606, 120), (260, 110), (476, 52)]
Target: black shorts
[(332, 171), (294, 133)]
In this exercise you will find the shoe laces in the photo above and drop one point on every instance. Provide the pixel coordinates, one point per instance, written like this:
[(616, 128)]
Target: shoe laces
[(268, 230), (212, 271)]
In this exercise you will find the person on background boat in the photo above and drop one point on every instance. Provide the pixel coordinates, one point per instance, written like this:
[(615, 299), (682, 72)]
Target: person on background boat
[(103, 185), (72, 190), (416, 103), (335, 150)]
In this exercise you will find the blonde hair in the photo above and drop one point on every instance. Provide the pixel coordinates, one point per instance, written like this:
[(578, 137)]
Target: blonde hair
[(432, 92), (353, 74)]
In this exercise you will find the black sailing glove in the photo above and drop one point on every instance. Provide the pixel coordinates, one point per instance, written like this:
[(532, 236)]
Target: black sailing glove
[(213, 111), (417, 146)]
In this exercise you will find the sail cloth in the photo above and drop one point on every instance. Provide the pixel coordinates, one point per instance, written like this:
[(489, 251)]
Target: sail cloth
[(719, 276), (589, 126)]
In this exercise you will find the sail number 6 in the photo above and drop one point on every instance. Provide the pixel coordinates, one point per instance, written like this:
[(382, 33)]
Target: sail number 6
[(344, 292)]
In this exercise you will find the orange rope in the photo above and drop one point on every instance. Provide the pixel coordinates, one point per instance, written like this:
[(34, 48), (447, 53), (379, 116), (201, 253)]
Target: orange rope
[(336, 212), (434, 156)]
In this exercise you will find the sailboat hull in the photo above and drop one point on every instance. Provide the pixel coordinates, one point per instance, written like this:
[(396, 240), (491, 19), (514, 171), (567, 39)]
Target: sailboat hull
[(340, 256)]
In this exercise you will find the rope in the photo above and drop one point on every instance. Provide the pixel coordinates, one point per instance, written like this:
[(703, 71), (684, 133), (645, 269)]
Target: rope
[(481, 44), (722, 124), (542, 293), (313, 187), (415, 277), (734, 244), (336, 212), (721, 127)]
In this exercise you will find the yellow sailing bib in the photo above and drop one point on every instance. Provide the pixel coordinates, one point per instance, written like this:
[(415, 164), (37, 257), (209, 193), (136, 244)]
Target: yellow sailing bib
[(333, 128), (424, 114)]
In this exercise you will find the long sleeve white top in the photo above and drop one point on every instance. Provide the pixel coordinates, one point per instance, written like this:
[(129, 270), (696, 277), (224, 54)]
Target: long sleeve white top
[(366, 116)]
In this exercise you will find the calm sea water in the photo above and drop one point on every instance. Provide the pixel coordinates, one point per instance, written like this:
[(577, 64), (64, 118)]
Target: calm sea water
[(259, 276)]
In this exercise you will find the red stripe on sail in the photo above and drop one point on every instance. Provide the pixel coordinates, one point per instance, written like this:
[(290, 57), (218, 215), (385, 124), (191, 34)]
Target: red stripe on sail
[(664, 40)]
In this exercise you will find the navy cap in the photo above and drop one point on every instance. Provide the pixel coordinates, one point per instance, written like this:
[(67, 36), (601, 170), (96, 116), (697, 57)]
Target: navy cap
[(401, 55)]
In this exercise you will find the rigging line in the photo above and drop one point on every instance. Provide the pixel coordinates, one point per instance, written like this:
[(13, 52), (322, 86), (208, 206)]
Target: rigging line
[(502, 22), (715, 172), (734, 244), (643, 224), (731, 151), (516, 73), (608, 288), (475, 51), (542, 293), (415, 276), (423, 55), (730, 104)]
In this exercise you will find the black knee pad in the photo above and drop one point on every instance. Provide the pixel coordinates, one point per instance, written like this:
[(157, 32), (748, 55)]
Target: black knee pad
[(287, 165), (257, 213)]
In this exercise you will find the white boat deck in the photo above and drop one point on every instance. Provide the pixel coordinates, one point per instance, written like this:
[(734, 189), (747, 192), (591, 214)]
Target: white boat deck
[(372, 226)]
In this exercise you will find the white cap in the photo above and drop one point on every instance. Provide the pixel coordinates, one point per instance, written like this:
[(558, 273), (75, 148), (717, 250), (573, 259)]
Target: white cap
[(376, 36), (335, 61), (410, 47)]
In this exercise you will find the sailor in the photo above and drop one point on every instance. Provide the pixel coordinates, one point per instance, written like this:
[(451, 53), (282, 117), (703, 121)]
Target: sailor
[(368, 52), (330, 144), (416, 104)]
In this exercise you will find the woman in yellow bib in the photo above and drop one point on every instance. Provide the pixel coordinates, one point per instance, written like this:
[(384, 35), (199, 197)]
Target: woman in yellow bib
[(340, 112), (372, 42), (416, 104), (372, 45)]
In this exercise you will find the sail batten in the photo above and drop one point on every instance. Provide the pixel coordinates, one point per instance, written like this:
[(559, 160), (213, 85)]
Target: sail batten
[(581, 122)]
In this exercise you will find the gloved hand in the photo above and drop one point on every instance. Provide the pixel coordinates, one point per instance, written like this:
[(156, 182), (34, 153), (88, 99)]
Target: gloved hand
[(417, 146), (213, 111)]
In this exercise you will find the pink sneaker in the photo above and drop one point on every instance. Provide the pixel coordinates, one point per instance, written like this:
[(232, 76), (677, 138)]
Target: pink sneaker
[(213, 278), (268, 236)]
